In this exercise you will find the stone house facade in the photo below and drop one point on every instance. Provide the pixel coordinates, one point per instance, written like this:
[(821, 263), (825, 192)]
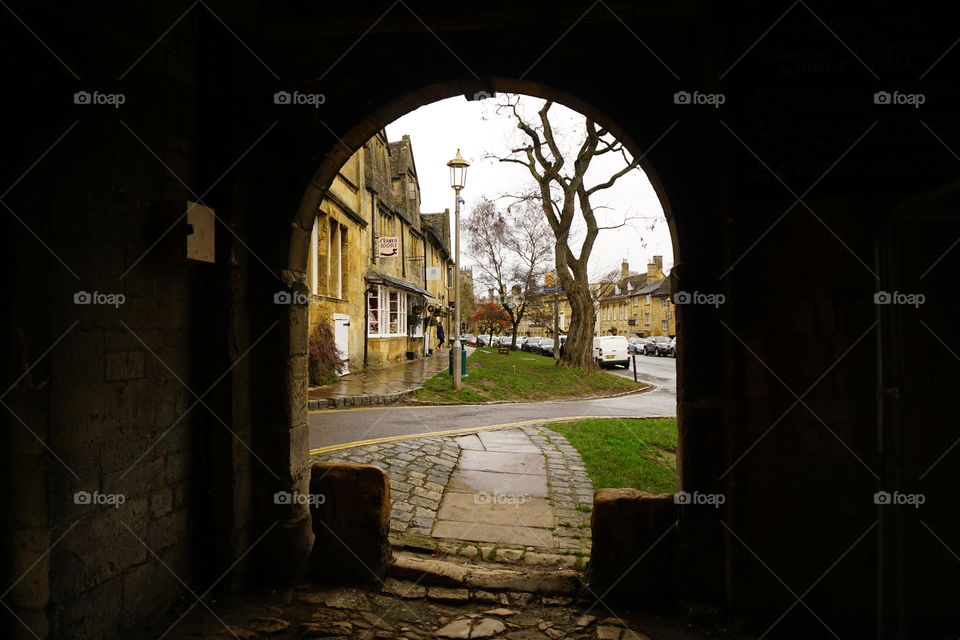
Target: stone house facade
[(638, 304), (380, 301)]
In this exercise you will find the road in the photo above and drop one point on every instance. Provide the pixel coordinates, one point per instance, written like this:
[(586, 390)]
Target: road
[(330, 427)]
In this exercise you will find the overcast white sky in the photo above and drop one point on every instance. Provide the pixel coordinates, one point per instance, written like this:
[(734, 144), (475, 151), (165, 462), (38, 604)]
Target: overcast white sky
[(437, 130)]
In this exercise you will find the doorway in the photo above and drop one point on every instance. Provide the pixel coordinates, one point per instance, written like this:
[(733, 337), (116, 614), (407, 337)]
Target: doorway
[(341, 334)]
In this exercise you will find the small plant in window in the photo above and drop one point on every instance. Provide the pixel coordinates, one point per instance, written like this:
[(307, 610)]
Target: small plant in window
[(324, 361)]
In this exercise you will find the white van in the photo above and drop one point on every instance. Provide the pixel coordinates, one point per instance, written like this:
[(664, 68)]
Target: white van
[(609, 350)]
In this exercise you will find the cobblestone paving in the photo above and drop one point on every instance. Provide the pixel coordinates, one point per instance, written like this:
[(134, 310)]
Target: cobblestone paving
[(420, 613), (571, 491), (420, 469)]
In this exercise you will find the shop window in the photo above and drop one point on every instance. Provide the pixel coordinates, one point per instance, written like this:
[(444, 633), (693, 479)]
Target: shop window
[(387, 312)]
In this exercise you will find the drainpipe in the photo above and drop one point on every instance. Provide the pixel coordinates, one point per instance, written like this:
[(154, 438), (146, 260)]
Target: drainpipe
[(366, 322), (373, 226)]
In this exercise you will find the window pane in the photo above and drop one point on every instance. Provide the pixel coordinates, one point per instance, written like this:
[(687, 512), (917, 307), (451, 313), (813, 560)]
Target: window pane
[(373, 311), (394, 311)]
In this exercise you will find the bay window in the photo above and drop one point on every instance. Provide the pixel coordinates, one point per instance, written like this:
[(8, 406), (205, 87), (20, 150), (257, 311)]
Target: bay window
[(387, 312)]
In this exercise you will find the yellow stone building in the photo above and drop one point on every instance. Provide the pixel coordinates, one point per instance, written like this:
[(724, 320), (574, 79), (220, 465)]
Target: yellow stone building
[(538, 317), (638, 304), (378, 269), (633, 305)]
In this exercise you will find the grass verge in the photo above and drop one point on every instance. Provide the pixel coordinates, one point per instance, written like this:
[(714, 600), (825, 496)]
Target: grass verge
[(523, 377), (618, 453)]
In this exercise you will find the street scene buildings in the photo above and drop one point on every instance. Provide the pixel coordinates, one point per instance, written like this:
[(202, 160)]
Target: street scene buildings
[(635, 304), (379, 269), (638, 304)]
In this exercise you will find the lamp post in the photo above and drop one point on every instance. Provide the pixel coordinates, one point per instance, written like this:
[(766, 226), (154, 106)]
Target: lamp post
[(458, 177)]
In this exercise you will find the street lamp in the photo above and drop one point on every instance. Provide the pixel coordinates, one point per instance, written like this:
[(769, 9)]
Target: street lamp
[(458, 179)]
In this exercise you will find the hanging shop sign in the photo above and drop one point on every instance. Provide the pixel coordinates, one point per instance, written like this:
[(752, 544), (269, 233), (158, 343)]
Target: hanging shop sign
[(389, 246)]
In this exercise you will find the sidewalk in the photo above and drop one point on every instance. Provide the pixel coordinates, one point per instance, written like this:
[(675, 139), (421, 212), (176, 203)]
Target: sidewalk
[(369, 387), (517, 495)]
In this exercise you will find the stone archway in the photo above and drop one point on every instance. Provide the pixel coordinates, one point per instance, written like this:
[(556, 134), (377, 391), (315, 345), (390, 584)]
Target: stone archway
[(340, 151)]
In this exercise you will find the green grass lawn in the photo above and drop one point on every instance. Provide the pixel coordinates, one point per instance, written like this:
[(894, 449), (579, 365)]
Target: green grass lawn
[(638, 454), (520, 376)]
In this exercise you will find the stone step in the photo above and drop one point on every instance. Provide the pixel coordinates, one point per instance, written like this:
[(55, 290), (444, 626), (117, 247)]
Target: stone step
[(486, 576)]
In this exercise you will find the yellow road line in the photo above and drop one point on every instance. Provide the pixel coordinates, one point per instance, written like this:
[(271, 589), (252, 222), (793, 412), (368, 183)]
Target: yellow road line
[(394, 407), (506, 425)]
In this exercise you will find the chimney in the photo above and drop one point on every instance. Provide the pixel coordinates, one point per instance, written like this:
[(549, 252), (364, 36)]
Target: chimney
[(655, 268), (624, 270)]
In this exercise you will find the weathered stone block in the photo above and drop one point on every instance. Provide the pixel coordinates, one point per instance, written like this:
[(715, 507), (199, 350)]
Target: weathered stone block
[(351, 521), (628, 525)]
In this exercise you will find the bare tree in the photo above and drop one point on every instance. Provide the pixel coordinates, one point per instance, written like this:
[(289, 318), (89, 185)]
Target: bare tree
[(511, 251), (562, 193)]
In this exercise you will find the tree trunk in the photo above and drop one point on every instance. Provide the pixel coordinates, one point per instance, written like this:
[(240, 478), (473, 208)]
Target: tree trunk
[(513, 341), (578, 350)]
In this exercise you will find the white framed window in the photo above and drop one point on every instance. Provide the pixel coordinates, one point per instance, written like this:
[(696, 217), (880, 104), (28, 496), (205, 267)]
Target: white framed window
[(664, 325), (666, 303), (647, 299), (386, 313), (373, 311), (646, 319)]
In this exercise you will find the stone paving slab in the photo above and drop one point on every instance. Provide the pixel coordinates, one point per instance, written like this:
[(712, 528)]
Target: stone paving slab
[(513, 484), (514, 441), (503, 462), (468, 507), (498, 533)]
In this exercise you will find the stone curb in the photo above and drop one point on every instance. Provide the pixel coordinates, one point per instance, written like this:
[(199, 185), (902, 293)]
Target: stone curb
[(430, 403), (315, 404), (360, 401)]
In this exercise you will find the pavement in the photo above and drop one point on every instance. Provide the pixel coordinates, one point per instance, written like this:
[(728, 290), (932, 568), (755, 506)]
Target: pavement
[(412, 611), (379, 386), (493, 494)]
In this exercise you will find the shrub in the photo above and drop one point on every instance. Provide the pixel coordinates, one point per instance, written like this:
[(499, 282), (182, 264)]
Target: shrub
[(324, 361)]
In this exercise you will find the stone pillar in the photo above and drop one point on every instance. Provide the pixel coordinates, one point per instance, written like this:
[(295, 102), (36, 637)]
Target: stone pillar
[(350, 507), (633, 544)]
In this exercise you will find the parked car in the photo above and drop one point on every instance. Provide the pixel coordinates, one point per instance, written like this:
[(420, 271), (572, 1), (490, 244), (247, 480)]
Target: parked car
[(671, 349), (468, 338), (652, 346), (546, 347), (610, 350), (635, 345), (531, 343), (487, 340)]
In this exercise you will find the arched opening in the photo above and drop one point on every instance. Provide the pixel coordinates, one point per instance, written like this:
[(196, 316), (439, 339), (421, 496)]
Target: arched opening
[(306, 237)]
